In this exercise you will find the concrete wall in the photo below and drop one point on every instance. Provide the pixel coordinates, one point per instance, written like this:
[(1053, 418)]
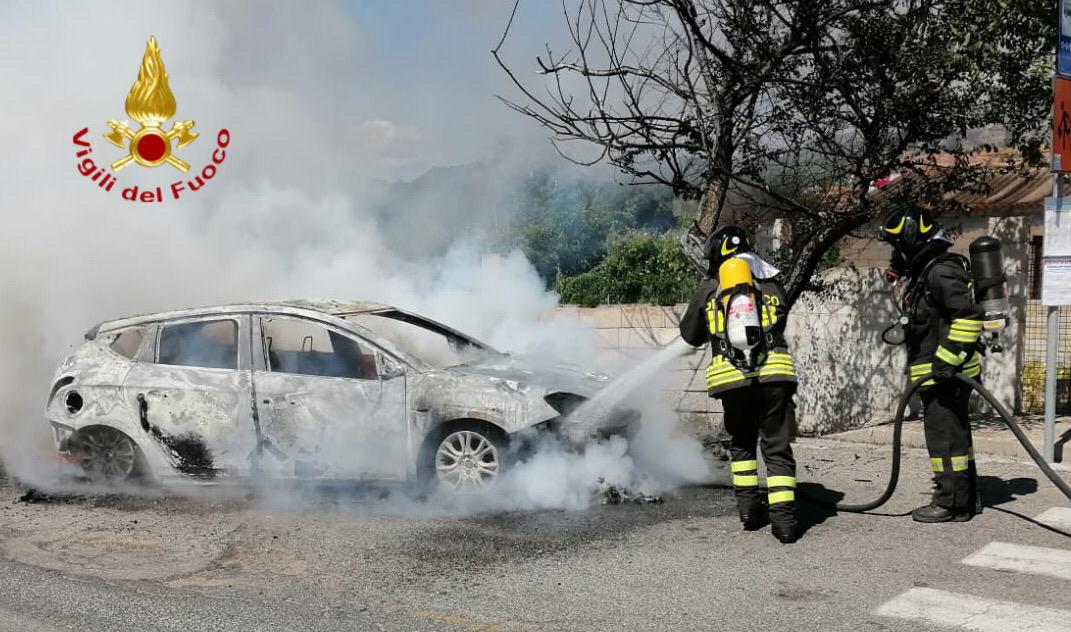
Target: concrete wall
[(848, 377)]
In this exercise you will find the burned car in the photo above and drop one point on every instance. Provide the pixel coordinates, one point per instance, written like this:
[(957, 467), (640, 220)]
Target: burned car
[(299, 389)]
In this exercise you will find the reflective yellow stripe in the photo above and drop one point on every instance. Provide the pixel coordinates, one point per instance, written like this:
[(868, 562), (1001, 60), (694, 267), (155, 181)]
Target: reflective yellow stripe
[(959, 463), (744, 466), (963, 338), (973, 371), (938, 464), (712, 383), (778, 364), (949, 357), (751, 480), (781, 497), (966, 323), (715, 318), (780, 481), (723, 372), (782, 373)]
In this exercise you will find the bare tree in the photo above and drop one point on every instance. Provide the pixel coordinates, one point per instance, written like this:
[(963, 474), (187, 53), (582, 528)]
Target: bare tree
[(791, 109)]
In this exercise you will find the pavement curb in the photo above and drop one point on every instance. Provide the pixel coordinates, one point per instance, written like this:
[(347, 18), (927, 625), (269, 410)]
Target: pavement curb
[(988, 441)]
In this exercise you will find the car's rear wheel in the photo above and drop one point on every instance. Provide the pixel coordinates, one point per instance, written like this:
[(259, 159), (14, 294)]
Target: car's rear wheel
[(467, 457), (106, 454)]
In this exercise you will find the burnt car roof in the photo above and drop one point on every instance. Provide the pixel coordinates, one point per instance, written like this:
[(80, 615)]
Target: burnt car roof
[(323, 306)]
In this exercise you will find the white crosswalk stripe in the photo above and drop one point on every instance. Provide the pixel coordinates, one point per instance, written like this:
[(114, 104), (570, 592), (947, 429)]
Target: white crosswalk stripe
[(1035, 560), (1057, 518), (967, 612)]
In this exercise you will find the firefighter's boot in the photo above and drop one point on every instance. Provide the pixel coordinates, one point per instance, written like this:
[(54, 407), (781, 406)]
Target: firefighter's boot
[(932, 513), (785, 532), (753, 513)]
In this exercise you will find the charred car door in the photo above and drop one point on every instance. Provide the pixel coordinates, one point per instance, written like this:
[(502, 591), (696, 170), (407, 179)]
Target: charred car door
[(324, 408), (193, 395)]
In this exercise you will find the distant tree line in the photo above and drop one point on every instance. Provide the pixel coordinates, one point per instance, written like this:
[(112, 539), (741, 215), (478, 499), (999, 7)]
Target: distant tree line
[(597, 241)]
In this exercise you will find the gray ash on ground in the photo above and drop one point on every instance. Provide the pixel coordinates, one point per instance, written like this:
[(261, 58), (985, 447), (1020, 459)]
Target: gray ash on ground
[(33, 496), (617, 495)]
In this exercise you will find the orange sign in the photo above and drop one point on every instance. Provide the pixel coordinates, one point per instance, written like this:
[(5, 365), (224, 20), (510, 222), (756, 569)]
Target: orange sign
[(1061, 125)]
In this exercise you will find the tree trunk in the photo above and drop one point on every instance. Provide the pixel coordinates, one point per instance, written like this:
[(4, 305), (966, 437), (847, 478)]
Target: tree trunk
[(712, 210)]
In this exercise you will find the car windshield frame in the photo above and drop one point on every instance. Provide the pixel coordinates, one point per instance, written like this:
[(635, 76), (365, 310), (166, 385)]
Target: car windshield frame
[(457, 340)]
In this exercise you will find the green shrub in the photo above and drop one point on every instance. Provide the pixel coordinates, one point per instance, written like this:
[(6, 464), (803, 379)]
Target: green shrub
[(639, 267)]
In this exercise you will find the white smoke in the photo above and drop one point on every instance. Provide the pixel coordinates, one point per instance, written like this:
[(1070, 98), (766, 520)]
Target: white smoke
[(283, 218)]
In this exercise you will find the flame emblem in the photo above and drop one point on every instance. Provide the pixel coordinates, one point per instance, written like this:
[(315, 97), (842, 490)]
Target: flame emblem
[(151, 103)]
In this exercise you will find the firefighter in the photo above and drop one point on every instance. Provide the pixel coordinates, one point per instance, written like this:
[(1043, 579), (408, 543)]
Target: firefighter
[(942, 328), (756, 399)]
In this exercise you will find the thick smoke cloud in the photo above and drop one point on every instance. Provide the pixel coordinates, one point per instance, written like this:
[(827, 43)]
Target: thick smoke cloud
[(284, 217)]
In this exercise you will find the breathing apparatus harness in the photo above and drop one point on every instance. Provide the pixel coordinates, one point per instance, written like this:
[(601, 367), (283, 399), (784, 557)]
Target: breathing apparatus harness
[(989, 285), (743, 341)]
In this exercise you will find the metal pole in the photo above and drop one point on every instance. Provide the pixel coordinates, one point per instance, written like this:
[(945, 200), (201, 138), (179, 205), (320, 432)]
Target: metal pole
[(1052, 348), (1052, 335)]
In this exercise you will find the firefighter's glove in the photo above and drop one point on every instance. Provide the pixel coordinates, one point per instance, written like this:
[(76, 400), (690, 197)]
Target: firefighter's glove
[(943, 372)]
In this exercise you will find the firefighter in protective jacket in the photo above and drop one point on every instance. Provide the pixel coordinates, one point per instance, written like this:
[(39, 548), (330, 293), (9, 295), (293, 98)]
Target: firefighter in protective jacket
[(756, 398), (942, 329)]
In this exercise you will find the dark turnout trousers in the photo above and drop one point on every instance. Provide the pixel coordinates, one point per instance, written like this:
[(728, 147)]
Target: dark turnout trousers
[(763, 416), (948, 440)]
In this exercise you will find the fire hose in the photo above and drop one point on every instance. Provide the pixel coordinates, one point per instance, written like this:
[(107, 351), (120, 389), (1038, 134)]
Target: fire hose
[(898, 423)]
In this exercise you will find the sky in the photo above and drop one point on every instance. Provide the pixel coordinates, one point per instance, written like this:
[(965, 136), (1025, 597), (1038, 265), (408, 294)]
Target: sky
[(409, 85)]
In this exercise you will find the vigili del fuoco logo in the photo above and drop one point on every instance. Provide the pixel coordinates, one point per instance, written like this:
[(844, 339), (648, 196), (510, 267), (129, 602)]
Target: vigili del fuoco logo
[(151, 104)]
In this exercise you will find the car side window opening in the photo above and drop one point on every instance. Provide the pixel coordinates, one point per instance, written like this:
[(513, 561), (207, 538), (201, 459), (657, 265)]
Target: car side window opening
[(127, 342), (433, 347), (209, 344), (306, 348)]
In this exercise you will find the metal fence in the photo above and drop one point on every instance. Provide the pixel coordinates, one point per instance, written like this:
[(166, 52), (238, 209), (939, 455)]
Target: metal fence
[(1033, 332), (1033, 377)]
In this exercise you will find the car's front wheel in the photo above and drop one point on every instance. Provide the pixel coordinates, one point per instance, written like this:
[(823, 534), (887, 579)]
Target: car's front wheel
[(107, 455), (467, 457)]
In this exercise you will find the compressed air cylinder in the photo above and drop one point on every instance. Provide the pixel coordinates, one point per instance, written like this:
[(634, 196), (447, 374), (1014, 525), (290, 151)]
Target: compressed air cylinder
[(742, 324), (733, 272), (990, 286)]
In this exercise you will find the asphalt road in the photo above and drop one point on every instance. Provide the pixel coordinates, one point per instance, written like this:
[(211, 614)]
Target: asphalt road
[(352, 561)]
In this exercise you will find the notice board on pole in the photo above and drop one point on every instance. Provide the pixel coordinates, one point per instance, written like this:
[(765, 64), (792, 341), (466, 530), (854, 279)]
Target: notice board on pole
[(1056, 254)]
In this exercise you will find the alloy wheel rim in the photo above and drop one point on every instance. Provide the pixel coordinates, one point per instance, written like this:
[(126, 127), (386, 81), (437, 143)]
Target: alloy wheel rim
[(467, 461), (106, 454)]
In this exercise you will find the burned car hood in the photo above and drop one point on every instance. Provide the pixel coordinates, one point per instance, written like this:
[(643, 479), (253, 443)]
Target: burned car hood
[(552, 378)]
